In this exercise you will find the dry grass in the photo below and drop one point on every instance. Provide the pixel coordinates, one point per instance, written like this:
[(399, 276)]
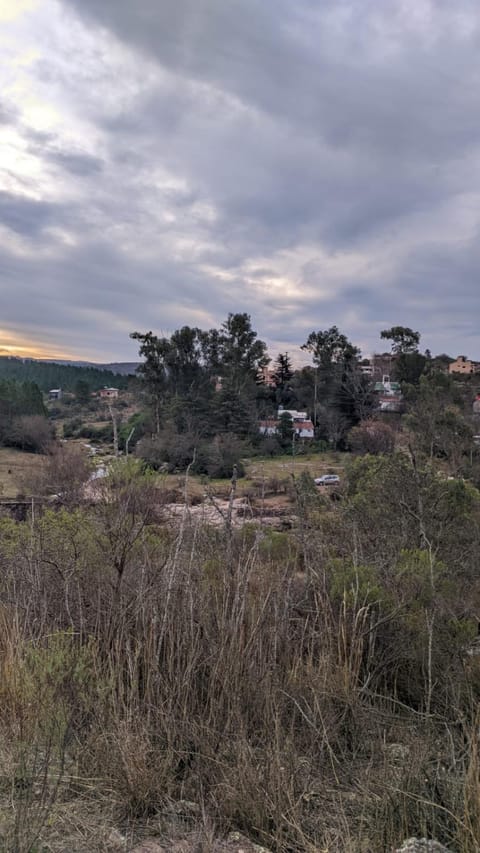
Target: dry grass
[(15, 468), (257, 470), (284, 466), (141, 668)]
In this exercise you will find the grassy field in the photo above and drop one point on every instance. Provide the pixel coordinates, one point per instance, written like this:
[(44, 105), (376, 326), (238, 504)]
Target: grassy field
[(257, 470), (14, 469), (284, 466), (15, 466)]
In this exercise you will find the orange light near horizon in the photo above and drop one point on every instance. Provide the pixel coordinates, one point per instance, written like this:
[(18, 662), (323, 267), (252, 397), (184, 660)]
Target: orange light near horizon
[(11, 344)]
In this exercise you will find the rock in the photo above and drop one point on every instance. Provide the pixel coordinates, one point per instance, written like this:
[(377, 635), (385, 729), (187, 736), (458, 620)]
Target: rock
[(238, 843), (399, 753), (186, 807), (421, 845), (116, 841), (150, 845)]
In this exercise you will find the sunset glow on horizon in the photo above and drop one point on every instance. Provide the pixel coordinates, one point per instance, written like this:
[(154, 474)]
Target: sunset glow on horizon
[(16, 346)]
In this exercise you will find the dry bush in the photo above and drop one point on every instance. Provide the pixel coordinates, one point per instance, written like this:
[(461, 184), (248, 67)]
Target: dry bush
[(65, 473), (372, 436), (244, 671), (32, 433)]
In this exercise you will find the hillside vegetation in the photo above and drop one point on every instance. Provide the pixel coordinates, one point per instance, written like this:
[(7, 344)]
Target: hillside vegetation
[(201, 639), (49, 375), (316, 689)]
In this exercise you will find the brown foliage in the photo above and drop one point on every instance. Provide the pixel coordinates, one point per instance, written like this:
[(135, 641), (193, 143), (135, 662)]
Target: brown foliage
[(65, 474), (373, 437), (32, 433)]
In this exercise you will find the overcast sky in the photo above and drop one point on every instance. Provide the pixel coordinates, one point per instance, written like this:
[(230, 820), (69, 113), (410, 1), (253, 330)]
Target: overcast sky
[(311, 162)]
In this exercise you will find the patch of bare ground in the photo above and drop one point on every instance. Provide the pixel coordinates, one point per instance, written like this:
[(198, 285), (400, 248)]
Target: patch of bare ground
[(273, 511)]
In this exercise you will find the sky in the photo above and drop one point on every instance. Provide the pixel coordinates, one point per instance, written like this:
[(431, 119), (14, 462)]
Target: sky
[(166, 162)]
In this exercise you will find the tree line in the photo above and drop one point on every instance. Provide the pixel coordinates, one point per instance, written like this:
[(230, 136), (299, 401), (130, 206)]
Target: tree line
[(48, 375), (206, 391)]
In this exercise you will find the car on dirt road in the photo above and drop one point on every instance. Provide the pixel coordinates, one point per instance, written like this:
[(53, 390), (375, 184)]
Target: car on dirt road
[(327, 480)]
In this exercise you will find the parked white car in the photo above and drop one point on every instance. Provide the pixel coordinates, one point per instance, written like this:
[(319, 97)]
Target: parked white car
[(327, 480)]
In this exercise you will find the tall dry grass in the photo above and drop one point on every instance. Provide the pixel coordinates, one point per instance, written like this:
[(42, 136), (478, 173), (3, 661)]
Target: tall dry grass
[(152, 666)]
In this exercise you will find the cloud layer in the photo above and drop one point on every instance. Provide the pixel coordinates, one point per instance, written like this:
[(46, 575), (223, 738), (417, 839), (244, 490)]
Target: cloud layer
[(310, 163)]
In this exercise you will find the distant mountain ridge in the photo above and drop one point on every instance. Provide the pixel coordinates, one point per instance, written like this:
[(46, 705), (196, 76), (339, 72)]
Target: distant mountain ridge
[(123, 368), (56, 373)]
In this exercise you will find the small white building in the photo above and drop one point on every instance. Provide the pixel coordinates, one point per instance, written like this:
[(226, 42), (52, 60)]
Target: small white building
[(295, 416), (55, 394)]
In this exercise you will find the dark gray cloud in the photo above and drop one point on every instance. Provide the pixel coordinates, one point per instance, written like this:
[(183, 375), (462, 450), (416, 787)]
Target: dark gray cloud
[(353, 73), (24, 215), (77, 164), (312, 163)]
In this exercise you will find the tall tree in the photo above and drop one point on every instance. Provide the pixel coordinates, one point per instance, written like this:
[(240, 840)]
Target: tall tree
[(282, 370), (82, 391), (330, 348), (181, 373), (154, 370), (242, 354), (282, 377), (184, 360), (404, 340), (335, 359), (409, 363)]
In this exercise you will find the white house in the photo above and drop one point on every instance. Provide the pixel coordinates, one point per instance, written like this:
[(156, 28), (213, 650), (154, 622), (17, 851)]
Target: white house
[(304, 429), (268, 427), (302, 426)]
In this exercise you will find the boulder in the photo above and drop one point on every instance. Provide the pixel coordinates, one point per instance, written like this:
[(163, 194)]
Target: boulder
[(238, 843), (421, 845), (150, 845)]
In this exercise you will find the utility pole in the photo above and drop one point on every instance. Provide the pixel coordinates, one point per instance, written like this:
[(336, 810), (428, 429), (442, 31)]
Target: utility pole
[(294, 435), (128, 441), (115, 429)]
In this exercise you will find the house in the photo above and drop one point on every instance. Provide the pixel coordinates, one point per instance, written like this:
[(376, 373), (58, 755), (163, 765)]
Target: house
[(463, 365), (268, 427), (388, 388), (304, 429), (476, 405), (390, 397), (302, 426), (55, 394), (295, 416), (108, 393), (390, 403)]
